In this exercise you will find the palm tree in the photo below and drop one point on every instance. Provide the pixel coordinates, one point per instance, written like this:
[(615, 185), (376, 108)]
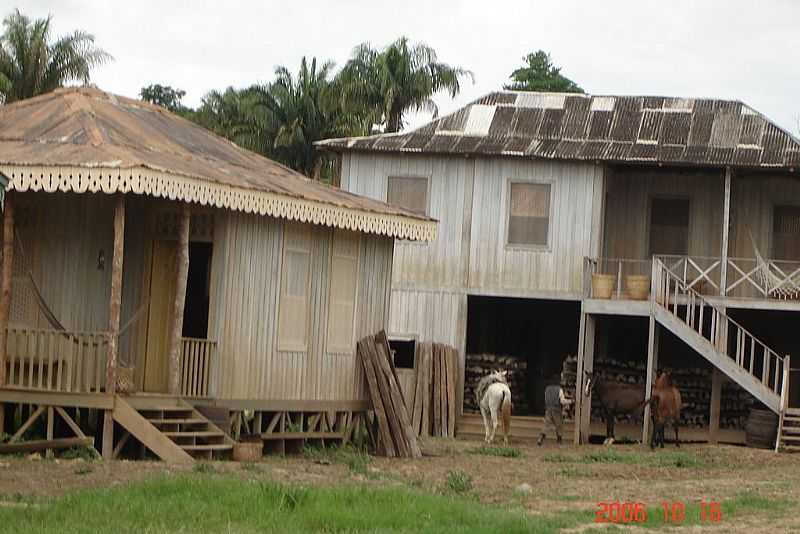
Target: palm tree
[(32, 64), (402, 77)]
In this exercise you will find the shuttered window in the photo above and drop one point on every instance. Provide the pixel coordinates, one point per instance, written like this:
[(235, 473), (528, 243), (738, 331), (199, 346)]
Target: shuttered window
[(669, 226), (529, 214), (786, 233), (409, 193), (342, 303), (295, 289)]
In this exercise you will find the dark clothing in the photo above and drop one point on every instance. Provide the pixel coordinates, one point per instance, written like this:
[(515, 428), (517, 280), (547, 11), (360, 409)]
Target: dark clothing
[(552, 397), (553, 421)]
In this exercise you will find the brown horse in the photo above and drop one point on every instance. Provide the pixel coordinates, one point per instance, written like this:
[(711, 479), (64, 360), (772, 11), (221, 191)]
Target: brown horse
[(616, 398), (665, 407)]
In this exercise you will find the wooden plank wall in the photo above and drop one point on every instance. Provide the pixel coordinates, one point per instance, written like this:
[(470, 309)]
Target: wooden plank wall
[(246, 268), (630, 192)]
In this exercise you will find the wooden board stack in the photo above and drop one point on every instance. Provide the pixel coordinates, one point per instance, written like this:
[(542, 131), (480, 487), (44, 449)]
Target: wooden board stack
[(393, 435), (435, 396), (693, 383)]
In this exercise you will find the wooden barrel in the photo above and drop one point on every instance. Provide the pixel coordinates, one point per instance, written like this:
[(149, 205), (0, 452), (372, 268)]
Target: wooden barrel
[(761, 429), (602, 286), (638, 286)]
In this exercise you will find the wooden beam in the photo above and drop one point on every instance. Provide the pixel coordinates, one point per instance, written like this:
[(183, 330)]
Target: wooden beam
[(50, 421), (118, 449), (182, 271), (579, 377), (716, 396), (32, 419), (108, 435), (115, 302), (72, 424), (726, 217), (588, 367), (5, 280), (652, 369), (39, 445), (83, 400)]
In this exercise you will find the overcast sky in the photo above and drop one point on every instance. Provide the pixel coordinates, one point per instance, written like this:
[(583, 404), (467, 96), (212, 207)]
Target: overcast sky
[(744, 50)]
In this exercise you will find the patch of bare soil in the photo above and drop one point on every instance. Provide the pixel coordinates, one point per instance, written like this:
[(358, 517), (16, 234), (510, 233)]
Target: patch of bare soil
[(561, 478)]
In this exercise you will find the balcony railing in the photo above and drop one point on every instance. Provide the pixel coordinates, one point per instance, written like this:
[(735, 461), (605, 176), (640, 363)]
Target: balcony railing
[(56, 360), (197, 359)]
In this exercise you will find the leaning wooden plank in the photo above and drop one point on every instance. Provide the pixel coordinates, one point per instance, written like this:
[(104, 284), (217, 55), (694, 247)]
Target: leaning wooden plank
[(410, 437), (427, 416), (437, 404), (392, 414), (375, 396), (32, 419), (44, 444), (150, 436), (72, 424), (382, 343), (443, 390), (452, 378), (416, 417)]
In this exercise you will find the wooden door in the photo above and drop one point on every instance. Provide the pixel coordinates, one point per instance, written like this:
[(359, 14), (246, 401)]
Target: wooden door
[(162, 297)]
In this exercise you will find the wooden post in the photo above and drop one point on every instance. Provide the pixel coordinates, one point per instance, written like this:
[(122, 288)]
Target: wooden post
[(115, 302), (713, 416), (50, 422), (726, 217), (583, 419), (182, 271), (5, 280), (652, 368), (108, 435)]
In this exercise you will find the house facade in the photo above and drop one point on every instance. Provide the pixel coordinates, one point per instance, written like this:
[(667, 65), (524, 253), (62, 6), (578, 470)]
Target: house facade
[(153, 272), (539, 194)]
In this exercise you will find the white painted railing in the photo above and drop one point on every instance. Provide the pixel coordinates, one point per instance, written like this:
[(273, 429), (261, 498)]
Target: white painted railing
[(726, 335), (197, 359), (56, 360)]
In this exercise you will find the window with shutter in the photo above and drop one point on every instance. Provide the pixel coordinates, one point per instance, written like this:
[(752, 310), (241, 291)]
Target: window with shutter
[(342, 302), (529, 214), (669, 226), (786, 233), (410, 193), (295, 288)]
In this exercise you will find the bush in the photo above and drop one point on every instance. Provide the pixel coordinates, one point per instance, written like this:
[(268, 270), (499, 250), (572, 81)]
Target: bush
[(458, 482)]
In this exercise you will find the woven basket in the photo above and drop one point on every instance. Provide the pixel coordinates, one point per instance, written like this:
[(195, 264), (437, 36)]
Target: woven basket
[(602, 286), (248, 451), (638, 286), (125, 380)]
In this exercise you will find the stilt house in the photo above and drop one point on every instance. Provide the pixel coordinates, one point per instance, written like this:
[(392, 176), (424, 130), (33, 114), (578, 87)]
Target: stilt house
[(152, 269), (577, 225)]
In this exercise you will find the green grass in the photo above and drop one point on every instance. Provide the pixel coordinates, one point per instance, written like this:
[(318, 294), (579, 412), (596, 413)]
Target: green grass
[(504, 452), (356, 460), (200, 503), (678, 459), (458, 482)]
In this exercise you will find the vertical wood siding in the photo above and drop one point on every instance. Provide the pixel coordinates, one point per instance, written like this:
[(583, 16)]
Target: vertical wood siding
[(630, 193), (246, 274)]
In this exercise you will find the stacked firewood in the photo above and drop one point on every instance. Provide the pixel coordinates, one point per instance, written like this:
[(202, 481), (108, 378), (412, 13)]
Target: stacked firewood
[(479, 365), (390, 431), (693, 383)]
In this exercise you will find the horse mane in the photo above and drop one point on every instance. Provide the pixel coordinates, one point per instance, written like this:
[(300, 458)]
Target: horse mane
[(664, 381)]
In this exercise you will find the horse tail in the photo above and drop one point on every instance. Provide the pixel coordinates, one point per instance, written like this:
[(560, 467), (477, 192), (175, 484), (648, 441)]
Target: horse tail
[(505, 406)]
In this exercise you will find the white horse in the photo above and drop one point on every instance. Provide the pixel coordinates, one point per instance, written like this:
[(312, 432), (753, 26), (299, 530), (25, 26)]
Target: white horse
[(496, 397)]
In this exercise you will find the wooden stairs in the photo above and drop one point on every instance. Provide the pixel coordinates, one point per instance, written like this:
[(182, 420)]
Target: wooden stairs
[(723, 342), (789, 431), (172, 429)]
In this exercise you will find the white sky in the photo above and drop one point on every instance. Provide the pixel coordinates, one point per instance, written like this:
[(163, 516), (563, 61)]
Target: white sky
[(745, 50)]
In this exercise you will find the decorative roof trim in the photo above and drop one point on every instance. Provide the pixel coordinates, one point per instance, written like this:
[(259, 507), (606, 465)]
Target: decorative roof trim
[(144, 181)]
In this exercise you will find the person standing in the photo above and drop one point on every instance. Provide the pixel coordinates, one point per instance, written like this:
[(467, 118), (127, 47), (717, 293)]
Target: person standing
[(554, 399)]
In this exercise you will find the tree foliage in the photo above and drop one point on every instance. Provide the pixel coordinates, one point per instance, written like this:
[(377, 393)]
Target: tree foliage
[(32, 63), (385, 84), (165, 96), (540, 74)]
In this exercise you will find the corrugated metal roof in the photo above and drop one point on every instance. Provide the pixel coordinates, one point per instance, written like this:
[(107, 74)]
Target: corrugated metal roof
[(640, 129), (86, 127)]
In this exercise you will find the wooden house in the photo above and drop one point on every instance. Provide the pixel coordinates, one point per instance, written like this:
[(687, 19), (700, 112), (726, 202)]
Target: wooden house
[(153, 271), (652, 200)]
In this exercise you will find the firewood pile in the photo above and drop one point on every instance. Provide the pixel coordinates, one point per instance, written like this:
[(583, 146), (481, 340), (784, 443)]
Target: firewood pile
[(435, 394), (391, 430), (479, 365), (693, 383)]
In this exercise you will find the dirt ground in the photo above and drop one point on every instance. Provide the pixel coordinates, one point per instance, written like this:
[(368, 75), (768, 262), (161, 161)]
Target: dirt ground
[(561, 478)]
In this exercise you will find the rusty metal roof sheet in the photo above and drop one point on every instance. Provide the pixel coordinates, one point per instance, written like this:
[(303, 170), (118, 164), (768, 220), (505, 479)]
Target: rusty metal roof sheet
[(91, 129), (617, 129)]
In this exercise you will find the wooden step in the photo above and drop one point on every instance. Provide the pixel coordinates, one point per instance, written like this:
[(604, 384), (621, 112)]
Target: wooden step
[(191, 421), (793, 412), (301, 435), (193, 434)]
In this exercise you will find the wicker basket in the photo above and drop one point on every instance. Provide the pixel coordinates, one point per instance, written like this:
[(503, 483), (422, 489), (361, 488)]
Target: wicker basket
[(250, 450), (602, 286), (126, 383), (637, 286)]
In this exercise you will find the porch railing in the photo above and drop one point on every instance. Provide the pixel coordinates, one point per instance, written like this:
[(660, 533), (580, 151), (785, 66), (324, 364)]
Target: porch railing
[(197, 359), (620, 269), (56, 360)]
